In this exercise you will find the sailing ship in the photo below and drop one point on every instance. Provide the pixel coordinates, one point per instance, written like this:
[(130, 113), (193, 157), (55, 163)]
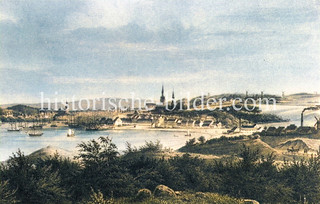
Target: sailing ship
[(92, 128), (70, 133), (14, 128), (72, 123), (36, 125), (188, 133)]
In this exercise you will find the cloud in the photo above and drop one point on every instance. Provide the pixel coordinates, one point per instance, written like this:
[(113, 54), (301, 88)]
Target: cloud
[(172, 79), (133, 33), (107, 14), (55, 45), (26, 68)]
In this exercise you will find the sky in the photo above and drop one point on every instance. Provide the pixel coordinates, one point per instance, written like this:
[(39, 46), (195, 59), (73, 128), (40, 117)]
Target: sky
[(111, 48)]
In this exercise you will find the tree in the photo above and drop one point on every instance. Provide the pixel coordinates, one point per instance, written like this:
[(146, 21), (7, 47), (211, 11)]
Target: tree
[(103, 170), (6, 194), (33, 184), (191, 142), (98, 152), (202, 139), (97, 198)]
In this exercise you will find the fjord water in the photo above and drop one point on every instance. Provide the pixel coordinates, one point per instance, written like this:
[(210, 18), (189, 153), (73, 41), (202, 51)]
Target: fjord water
[(57, 137), (293, 113)]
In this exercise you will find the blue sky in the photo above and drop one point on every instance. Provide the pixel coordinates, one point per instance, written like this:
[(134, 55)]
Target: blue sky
[(85, 48)]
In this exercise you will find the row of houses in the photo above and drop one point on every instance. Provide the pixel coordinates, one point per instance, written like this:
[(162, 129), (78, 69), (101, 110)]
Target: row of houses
[(289, 130), (167, 122), (160, 122)]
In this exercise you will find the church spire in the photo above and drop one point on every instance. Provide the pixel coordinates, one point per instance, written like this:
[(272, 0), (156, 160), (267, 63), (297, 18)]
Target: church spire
[(162, 91), (173, 101), (162, 98)]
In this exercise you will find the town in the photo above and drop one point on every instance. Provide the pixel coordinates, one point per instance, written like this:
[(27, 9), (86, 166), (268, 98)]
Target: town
[(167, 114)]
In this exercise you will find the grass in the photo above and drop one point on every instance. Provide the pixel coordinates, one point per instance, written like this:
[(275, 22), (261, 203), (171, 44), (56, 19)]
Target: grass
[(190, 198), (227, 147)]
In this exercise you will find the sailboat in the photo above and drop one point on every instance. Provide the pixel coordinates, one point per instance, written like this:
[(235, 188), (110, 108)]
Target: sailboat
[(70, 133), (35, 133), (188, 133), (15, 128)]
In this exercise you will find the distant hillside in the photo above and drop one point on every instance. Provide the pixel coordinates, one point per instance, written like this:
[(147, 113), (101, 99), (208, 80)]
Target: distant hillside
[(301, 94), (107, 103), (301, 99), (23, 109)]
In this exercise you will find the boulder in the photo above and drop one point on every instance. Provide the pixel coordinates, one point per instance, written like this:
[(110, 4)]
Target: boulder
[(200, 195), (162, 191), (143, 194), (249, 201), (178, 193)]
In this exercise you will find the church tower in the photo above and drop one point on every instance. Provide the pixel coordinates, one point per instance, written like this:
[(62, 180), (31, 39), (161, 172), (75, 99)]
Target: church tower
[(172, 102), (162, 98)]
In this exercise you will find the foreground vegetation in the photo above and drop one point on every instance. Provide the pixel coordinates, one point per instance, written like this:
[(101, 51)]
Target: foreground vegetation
[(101, 175)]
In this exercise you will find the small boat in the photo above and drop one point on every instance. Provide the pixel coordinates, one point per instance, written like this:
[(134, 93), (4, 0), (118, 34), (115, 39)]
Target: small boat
[(188, 133), (91, 129), (35, 133), (11, 130), (53, 125), (35, 127), (70, 133)]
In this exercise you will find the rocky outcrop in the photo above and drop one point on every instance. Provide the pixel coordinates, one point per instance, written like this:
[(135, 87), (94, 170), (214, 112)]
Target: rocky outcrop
[(143, 194), (163, 191), (249, 201)]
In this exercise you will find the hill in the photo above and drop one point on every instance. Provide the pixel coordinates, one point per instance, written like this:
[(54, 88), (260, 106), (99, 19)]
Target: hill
[(229, 146), (50, 151), (100, 103), (23, 110), (301, 144)]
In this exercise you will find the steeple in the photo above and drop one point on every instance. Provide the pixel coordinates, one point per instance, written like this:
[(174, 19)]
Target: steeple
[(162, 90), (162, 98), (173, 101)]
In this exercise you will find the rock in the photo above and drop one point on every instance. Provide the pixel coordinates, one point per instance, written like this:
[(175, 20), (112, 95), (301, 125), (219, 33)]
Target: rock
[(178, 193), (162, 190), (200, 195), (143, 194), (249, 201)]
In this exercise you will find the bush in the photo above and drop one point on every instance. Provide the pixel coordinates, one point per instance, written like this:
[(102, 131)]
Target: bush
[(202, 139), (33, 184), (7, 195), (152, 147), (97, 198)]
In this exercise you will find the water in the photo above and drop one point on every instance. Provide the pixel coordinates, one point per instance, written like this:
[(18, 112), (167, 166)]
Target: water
[(12, 141), (293, 113), (57, 137)]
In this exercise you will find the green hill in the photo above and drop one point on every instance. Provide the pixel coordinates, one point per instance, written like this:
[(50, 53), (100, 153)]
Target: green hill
[(23, 110)]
